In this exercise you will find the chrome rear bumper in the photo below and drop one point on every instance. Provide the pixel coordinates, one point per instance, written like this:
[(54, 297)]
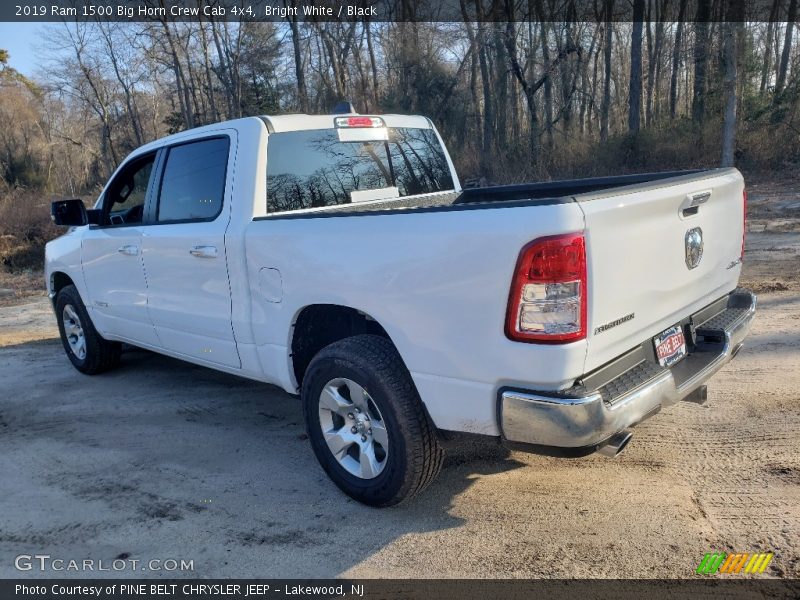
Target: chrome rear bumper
[(583, 418)]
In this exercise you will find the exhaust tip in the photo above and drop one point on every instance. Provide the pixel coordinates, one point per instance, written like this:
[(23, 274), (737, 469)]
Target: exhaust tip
[(616, 444), (699, 396)]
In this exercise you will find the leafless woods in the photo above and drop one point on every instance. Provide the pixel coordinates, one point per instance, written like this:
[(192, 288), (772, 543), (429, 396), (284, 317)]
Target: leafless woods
[(518, 90)]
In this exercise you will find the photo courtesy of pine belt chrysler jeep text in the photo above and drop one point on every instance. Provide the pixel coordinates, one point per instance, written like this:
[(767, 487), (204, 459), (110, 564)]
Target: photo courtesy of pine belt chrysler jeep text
[(337, 257)]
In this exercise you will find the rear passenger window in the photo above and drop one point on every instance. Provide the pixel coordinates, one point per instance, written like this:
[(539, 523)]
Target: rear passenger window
[(193, 183)]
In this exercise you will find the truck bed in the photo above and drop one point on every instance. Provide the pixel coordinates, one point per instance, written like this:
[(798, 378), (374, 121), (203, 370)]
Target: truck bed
[(563, 188), (549, 192)]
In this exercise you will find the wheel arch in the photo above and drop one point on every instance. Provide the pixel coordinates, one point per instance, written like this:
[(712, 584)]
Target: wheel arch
[(316, 326), (58, 281)]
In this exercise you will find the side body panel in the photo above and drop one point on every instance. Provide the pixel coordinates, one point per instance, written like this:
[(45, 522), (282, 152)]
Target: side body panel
[(437, 281), (116, 284), (63, 255)]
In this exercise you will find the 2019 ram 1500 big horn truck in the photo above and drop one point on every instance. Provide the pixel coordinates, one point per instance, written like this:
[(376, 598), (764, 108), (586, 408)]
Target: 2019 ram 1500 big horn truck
[(337, 257)]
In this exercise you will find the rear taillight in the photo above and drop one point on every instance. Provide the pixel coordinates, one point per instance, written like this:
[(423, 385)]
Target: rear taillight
[(744, 221), (548, 293)]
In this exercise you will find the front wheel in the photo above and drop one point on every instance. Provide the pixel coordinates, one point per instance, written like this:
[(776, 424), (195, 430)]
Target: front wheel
[(366, 422), (86, 349)]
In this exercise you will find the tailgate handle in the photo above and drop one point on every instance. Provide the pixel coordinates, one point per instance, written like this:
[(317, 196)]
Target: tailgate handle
[(691, 205)]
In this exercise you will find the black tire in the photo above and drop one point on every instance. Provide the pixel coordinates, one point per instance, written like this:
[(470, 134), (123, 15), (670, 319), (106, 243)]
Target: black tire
[(414, 456), (100, 355)]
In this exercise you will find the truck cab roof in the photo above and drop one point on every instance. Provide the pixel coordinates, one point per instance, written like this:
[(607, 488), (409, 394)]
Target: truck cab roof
[(282, 123), (301, 122)]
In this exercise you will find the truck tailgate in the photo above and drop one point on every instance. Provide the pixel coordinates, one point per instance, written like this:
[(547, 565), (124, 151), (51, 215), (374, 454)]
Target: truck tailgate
[(640, 279)]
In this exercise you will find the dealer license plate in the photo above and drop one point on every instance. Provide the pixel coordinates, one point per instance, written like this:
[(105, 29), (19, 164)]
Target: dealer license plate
[(670, 346)]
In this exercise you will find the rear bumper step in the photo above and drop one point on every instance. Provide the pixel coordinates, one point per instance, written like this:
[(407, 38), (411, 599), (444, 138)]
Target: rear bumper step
[(603, 404)]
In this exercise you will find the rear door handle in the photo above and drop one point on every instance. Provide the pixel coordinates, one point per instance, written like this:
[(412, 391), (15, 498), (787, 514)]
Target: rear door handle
[(129, 250), (204, 251)]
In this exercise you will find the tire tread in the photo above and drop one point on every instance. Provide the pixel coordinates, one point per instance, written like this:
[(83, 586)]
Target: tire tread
[(425, 455), (101, 354)]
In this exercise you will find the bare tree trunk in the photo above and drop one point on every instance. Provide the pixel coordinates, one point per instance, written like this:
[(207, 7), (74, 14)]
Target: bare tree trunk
[(130, 104), (606, 104), (338, 77), (731, 33), (729, 125), (595, 86), (548, 87), (529, 88), (365, 100), (338, 44), (324, 87), (587, 88), (787, 48), (569, 77), (473, 44), (488, 101), (197, 102), (228, 65), (184, 98), (687, 86), (515, 116), (773, 16), (299, 72), (654, 81), (373, 64), (207, 69), (676, 62), (635, 94), (700, 61), (500, 86)]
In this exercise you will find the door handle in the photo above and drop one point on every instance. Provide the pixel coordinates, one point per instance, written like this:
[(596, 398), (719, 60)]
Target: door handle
[(204, 251), (129, 250)]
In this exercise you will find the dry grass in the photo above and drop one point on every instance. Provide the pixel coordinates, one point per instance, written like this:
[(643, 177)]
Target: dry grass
[(16, 287), (25, 228)]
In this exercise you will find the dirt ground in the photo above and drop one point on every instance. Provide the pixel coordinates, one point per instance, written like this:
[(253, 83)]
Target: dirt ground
[(164, 460)]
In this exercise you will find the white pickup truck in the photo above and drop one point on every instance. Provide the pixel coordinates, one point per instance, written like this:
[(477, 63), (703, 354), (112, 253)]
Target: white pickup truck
[(338, 258)]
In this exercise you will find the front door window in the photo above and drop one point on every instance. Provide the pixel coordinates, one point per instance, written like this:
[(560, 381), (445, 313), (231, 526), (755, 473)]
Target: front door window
[(125, 195)]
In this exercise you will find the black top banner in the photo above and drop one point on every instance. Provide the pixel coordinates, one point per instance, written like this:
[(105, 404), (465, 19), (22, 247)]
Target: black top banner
[(391, 10)]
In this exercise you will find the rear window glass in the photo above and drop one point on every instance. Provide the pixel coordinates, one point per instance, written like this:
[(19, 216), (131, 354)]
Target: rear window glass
[(313, 169)]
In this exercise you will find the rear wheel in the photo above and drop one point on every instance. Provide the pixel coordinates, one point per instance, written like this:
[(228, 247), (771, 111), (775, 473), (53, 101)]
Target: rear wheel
[(86, 349), (366, 422)]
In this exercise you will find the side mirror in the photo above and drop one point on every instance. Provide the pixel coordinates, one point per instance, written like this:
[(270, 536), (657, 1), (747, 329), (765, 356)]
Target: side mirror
[(71, 213)]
